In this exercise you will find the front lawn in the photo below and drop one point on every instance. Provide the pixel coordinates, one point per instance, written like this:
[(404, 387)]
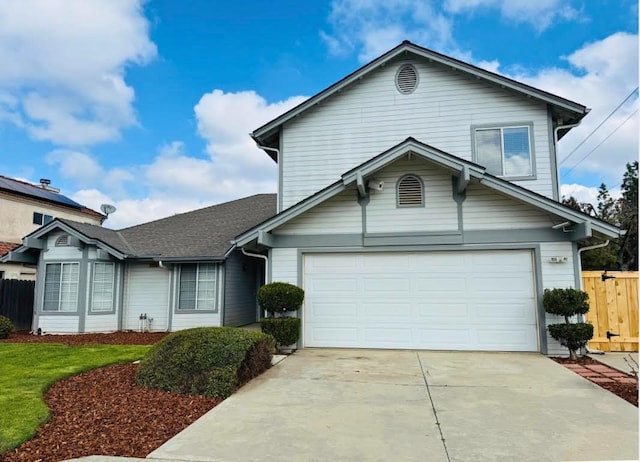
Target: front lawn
[(27, 370)]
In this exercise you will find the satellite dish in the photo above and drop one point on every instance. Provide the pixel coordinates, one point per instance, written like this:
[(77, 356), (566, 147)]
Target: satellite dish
[(107, 209)]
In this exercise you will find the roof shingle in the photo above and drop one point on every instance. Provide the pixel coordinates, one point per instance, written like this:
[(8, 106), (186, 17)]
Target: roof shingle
[(206, 232)]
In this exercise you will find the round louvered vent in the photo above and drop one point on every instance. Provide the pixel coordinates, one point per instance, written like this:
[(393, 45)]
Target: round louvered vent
[(407, 79)]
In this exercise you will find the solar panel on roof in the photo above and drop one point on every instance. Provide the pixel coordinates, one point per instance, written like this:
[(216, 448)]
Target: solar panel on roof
[(35, 191)]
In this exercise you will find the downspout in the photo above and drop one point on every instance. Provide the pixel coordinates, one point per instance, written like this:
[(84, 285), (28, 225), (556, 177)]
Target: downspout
[(584, 249), (555, 145), (266, 264)]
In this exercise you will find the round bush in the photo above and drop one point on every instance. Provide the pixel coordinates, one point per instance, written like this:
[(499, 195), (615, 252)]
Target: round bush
[(209, 361), (6, 327), (573, 336), (285, 330), (280, 297), (565, 302)]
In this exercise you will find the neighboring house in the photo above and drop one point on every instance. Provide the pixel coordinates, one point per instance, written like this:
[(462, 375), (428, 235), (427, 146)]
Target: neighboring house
[(418, 204), (170, 274), (24, 207)]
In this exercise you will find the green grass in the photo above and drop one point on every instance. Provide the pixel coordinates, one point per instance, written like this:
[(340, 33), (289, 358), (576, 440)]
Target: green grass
[(28, 370)]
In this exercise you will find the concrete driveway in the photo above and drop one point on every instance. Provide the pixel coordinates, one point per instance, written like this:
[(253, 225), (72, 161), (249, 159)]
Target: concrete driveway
[(373, 405)]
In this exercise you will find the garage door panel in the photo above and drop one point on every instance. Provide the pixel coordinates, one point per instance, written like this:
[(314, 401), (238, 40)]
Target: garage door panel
[(391, 311), (326, 283), (333, 310), (456, 337), (435, 285), (380, 283), (463, 300), (391, 336), (442, 310), (335, 336)]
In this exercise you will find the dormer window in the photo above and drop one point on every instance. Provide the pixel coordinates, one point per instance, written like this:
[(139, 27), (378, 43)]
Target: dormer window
[(62, 241), (504, 151), (410, 191)]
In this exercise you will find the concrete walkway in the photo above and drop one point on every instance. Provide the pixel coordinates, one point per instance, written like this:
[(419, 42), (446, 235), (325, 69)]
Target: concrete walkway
[(371, 405), (616, 359)]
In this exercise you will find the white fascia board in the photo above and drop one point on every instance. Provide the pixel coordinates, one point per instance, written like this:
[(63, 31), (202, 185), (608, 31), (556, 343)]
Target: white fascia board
[(290, 213), (551, 206)]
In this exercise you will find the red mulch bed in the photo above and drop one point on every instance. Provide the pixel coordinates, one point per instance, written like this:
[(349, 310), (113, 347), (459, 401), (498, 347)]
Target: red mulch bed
[(626, 391), (103, 412), (113, 338)]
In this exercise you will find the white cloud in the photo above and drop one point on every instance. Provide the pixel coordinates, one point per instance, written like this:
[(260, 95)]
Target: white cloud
[(225, 121), (85, 171), (603, 73), (64, 67), (584, 193), (371, 27), (176, 181), (539, 13)]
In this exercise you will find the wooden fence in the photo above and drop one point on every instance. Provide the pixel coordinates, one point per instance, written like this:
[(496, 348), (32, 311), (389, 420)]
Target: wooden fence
[(16, 302), (613, 301)]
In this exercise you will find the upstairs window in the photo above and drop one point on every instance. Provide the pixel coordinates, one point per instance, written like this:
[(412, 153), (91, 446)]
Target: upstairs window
[(61, 287), (410, 191), (41, 218), (504, 151), (197, 287)]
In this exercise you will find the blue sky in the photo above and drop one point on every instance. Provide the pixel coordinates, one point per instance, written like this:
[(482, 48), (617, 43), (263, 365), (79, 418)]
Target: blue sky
[(147, 105)]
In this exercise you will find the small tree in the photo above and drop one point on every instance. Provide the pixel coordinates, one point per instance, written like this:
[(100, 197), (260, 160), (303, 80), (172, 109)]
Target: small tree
[(568, 303), (278, 299)]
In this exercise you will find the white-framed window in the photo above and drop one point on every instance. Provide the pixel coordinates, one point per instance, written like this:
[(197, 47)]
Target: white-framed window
[(103, 287), (61, 287), (410, 191), (504, 151), (197, 286)]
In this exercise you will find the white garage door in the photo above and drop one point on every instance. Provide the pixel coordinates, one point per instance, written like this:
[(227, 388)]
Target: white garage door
[(472, 300)]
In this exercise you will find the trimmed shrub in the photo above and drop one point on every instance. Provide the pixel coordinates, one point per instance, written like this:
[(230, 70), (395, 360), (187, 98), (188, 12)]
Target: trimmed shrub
[(568, 303), (209, 361), (280, 297), (573, 336), (565, 302), (285, 330), (6, 327)]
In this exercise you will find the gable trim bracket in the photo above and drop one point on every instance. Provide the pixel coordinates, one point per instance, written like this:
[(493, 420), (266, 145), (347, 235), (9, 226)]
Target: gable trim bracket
[(583, 230), (463, 180), (362, 190)]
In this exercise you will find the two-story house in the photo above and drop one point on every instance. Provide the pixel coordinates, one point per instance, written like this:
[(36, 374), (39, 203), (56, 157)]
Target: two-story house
[(417, 206), (25, 207)]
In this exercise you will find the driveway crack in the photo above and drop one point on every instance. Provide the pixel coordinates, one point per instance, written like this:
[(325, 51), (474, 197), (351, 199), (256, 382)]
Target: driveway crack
[(433, 407)]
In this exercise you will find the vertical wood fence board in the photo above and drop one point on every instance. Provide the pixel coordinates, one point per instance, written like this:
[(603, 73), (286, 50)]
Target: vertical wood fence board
[(614, 308)]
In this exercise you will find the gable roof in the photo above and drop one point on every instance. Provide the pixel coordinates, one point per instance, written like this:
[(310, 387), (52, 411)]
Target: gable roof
[(459, 167), (22, 188), (204, 234), (569, 111)]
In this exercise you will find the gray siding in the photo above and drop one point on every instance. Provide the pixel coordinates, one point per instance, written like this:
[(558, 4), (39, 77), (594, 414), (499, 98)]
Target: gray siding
[(241, 286), (371, 116)]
